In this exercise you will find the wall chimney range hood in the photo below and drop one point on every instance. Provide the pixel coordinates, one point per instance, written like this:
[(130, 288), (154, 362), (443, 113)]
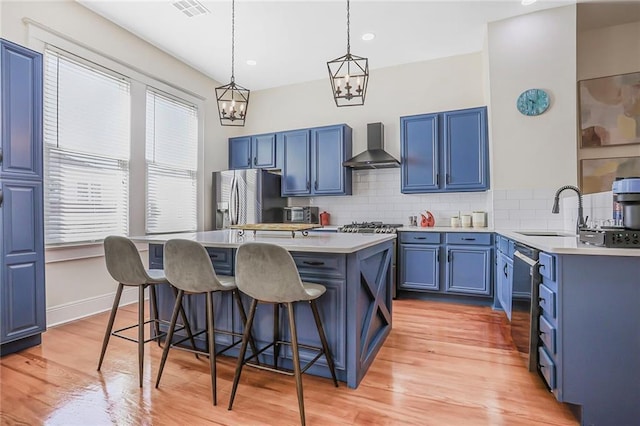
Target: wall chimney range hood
[(375, 157)]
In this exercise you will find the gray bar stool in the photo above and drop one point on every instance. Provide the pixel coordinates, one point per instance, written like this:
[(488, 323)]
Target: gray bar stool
[(268, 274), (125, 266), (189, 269)]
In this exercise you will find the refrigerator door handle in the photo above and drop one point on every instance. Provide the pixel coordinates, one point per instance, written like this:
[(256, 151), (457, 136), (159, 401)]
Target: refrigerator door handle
[(233, 202)]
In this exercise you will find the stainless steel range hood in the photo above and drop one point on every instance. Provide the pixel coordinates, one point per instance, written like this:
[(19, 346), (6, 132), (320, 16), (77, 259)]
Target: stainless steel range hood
[(375, 157)]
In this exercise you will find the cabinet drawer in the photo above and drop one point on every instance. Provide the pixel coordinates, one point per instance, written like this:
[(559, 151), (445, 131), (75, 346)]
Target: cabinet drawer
[(502, 243), (547, 367), (511, 248), (547, 266), (547, 301), (473, 238), (420, 237), (325, 265), (548, 335), (222, 259)]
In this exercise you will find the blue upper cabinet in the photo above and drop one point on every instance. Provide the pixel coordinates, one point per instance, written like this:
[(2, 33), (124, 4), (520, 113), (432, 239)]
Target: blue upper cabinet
[(296, 173), (240, 153), (312, 163), (419, 136), (253, 152), (21, 111), (329, 147), (465, 156), (445, 152)]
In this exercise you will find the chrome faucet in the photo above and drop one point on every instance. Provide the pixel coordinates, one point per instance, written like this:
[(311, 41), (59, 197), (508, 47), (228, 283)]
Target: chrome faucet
[(556, 205)]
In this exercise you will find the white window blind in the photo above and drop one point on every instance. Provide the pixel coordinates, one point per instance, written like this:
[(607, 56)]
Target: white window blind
[(172, 163), (87, 114)]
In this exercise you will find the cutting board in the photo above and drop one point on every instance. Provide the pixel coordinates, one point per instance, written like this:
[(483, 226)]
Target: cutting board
[(291, 227)]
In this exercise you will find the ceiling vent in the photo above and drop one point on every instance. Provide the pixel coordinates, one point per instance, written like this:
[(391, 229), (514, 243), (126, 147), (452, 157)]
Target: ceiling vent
[(191, 8)]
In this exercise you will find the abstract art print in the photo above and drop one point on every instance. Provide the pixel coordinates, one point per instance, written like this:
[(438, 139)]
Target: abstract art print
[(598, 174), (610, 110)]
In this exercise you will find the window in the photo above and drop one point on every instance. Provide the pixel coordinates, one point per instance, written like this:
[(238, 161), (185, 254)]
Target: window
[(87, 114), (172, 163)]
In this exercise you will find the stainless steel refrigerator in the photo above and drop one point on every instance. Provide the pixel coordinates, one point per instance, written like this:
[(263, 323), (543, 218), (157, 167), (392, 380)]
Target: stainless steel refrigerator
[(246, 196)]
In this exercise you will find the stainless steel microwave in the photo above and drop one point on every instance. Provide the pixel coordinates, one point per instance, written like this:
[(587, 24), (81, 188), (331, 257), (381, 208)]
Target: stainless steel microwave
[(301, 215)]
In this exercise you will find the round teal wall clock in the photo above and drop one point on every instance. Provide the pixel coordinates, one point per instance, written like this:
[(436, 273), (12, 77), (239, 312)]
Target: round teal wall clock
[(533, 102)]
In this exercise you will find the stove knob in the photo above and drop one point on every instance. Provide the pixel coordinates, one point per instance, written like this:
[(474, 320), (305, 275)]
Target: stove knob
[(376, 231)]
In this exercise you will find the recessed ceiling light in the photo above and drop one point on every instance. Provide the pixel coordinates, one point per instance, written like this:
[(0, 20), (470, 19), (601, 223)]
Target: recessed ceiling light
[(251, 62), (368, 36), (528, 2), (191, 8)]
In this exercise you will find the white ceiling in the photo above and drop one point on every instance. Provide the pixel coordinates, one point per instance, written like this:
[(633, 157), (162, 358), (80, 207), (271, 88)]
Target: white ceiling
[(292, 40)]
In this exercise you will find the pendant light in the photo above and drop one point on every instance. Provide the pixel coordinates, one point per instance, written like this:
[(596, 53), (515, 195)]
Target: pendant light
[(349, 75), (233, 99)]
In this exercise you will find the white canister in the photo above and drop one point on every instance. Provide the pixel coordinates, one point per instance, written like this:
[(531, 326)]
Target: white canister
[(465, 220), (455, 222), (479, 219)]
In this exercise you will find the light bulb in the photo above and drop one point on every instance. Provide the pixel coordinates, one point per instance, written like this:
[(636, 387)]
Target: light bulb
[(338, 82), (358, 81), (224, 106), (241, 107), (346, 79)]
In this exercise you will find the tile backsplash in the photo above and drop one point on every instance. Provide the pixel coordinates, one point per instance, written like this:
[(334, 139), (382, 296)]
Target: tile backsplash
[(377, 197)]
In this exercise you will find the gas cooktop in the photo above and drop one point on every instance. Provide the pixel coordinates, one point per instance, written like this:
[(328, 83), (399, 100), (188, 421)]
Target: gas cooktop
[(370, 227), (610, 236)]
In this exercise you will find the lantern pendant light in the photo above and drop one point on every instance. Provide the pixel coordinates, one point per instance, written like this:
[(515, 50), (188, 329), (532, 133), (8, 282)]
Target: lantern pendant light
[(233, 99), (349, 75)]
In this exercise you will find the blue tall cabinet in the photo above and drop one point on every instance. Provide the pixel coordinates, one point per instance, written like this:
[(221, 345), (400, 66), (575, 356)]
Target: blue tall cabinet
[(22, 288), (445, 152)]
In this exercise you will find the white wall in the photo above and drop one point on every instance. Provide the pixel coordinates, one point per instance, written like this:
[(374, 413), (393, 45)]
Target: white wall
[(80, 286), (537, 50)]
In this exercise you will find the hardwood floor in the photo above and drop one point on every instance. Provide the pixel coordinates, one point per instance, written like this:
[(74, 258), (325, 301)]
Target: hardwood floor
[(442, 364)]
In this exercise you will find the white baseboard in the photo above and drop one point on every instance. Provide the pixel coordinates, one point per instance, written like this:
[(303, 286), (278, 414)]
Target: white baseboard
[(83, 308)]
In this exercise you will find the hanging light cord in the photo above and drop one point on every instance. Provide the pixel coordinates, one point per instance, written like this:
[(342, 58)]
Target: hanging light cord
[(348, 39), (233, 20)]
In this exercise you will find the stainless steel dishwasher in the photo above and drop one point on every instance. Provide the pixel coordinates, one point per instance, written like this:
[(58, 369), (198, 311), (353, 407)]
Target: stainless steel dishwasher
[(524, 314)]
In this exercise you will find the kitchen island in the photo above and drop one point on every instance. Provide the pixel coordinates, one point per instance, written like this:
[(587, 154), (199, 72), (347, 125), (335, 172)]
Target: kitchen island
[(589, 322), (355, 310)]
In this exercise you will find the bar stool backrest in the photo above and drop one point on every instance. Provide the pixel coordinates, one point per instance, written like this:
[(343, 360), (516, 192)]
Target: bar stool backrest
[(123, 261), (188, 267), (267, 272)]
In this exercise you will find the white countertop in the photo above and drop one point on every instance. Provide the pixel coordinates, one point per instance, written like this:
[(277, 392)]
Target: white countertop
[(319, 242), (567, 245)]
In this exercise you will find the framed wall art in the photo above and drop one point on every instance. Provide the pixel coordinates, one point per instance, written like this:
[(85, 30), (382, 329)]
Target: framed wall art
[(610, 110), (598, 174)]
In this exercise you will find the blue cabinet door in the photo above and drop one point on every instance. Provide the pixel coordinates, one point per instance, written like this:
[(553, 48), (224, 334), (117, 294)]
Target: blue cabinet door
[(240, 153), (329, 147), (296, 170), (21, 112), (22, 297), (503, 282), (419, 265), (465, 151), (263, 150), (419, 152), (468, 270)]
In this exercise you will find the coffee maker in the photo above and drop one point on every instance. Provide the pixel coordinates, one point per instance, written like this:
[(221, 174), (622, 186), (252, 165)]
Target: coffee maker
[(626, 192)]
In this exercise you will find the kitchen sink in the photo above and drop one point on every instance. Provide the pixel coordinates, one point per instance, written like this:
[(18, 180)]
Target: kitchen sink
[(545, 234)]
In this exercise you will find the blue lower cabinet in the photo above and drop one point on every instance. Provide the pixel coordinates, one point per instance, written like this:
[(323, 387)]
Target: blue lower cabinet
[(468, 270), (22, 293), (419, 267), (504, 282)]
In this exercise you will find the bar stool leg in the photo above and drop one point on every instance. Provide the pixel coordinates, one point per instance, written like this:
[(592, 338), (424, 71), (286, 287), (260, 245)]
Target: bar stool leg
[(243, 350), (153, 305), (212, 345), (243, 318), (112, 317), (296, 360), (323, 339), (276, 334), (185, 321), (140, 331), (172, 325)]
